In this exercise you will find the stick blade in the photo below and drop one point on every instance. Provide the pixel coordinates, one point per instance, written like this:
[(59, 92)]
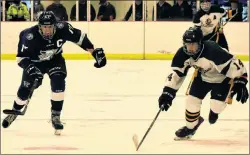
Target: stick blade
[(135, 140), (12, 112)]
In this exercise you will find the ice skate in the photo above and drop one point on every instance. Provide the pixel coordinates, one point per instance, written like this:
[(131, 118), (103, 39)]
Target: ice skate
[(185, 133), (56, 123), (213, 117), (8, 120)]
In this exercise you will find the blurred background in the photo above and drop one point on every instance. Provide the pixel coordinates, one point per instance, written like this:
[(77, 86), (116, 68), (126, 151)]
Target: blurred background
[(117, 10)]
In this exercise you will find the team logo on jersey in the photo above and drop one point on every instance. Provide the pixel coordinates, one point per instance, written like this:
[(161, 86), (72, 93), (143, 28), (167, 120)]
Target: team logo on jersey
[(30, 36), (47, 55), (208, 21), (202, 70), (60, 25)]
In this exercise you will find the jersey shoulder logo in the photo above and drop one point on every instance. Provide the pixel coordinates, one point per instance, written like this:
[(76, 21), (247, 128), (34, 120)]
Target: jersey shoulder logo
[(60, 25), (29, 36)]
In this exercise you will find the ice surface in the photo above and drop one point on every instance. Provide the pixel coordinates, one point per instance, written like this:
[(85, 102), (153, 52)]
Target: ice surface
[(104, 107)]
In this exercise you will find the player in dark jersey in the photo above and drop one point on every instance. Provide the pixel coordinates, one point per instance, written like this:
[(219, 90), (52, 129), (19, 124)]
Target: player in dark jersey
[(40, 52), (215, 69), (209, 19)]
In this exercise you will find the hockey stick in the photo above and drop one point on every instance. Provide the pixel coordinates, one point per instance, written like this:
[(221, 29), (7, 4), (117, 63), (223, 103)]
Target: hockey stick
[(225, 24), (135, 138), (15, 112)]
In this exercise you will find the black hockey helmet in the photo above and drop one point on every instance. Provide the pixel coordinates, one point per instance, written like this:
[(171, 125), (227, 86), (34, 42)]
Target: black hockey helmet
[(205, 5), (191, 36), (47, 18), (102, 2)]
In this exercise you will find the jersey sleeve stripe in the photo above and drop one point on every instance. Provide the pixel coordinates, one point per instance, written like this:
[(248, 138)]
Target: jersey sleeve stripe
[(81, 39)]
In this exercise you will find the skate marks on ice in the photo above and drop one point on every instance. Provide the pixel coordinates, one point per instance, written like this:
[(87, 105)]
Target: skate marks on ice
[(115, 136)]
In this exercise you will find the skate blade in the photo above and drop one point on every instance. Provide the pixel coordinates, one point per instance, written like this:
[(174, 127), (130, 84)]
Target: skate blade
[(58, 132), (182, 138)]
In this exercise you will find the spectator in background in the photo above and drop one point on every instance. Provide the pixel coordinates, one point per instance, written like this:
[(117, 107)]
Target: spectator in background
[(244, 10), (106, 11), (82, 11), (163, 10), (236, 5), (1, 11), (18, 12), (38, 8), (138, 11), (231, 6), (59, 10), (8, 3), (193, 6), (181, 10)]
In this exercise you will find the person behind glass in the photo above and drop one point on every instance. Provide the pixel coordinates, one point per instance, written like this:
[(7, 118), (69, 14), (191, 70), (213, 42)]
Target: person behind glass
[(138, 11), (38, 8), (231, 7), (59, 10), (1, 11), (244, 10), (193, 5), (82, 11), (106, 11), (236, 6), (181, 10), (8, 3), (18, 11), (163, 10)]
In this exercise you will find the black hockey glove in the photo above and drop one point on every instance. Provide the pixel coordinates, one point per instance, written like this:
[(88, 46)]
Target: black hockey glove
[(240, 89), (34, 73), (166, 98), (100, 57)]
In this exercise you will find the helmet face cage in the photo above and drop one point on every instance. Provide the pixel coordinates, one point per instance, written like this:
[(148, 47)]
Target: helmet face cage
[(185, 49), (205, 5), (192, 35), (47, 18), (47, 37)]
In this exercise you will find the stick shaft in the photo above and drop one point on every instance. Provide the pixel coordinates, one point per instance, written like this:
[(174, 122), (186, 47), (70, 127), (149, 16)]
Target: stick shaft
[(151, 125)]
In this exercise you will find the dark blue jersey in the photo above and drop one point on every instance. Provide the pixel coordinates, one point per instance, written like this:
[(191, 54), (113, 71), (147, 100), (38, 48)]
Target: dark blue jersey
[(34, 48)]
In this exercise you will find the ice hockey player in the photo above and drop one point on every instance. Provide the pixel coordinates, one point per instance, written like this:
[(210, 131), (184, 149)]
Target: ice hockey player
[(215, 69), (40, 52), (209, 19)]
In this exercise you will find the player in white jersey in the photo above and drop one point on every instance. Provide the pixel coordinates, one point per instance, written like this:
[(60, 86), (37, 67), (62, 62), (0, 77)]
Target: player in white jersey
[(215, 69), (209, 19)]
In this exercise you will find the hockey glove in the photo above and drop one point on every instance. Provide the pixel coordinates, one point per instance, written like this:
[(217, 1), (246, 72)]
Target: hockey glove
[(34, 73), (100, 57), (166, 98), (240, 89)]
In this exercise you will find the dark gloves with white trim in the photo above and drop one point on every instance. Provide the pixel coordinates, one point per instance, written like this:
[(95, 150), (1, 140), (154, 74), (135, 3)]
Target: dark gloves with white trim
[(166, 98), (100, 57), (240, 89), (34, 73)]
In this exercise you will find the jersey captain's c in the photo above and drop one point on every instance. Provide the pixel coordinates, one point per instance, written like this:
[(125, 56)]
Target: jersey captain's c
[(33, 46), (208, 21), (213, 63)]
